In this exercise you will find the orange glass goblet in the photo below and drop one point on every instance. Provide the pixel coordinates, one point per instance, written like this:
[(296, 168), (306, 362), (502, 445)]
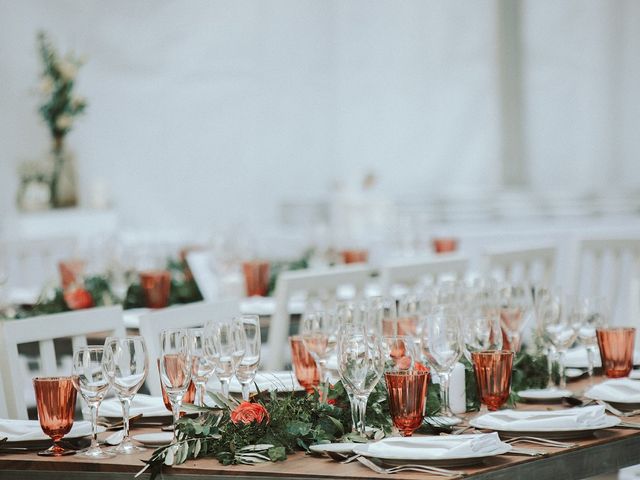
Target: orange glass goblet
[(355, 256), (493, 376), (56, 403), (616, 350), (445, 244), (407, 399), (156, 286), (71, 272), (256, 277), (304, 365)]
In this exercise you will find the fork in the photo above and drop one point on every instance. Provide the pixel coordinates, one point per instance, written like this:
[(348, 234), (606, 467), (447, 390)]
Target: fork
[(616, 412), (541, 441), (410, 468)]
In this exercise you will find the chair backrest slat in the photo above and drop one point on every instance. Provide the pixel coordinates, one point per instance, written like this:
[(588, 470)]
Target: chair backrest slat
[(411, 272), (505, 263)]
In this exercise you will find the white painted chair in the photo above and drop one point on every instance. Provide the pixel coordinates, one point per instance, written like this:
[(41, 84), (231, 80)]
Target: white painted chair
[(412, 272), (531, 265), (44, 329), (610, 267), (191, 315), (321, 283)]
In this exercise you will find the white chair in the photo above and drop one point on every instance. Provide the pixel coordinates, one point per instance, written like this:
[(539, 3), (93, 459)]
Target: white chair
[(411, 272), (319, 283), (532, 265), (610, 267), (191, 315), (44, 329)]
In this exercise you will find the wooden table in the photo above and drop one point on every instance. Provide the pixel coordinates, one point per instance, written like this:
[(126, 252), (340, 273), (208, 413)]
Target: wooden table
[(608, 451)]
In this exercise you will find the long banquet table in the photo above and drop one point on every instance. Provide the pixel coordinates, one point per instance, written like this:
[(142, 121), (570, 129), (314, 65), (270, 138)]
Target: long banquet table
[(608, 451)]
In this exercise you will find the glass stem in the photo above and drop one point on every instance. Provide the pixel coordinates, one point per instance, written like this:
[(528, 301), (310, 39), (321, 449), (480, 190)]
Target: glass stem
[(175, 409), (245, 392), (354, 412), (550, 354), (444, 394), (93, 409), (563, 378), (225, 387), (201, 391), (126, 405), (362, 404), (590, 362)]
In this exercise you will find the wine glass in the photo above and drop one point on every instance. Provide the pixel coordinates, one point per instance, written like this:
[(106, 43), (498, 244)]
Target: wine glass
[(595, 315), (442, 346), (202, 367), (315, 329), (360, 364), (175, 368), (225, 345), (548, 304), (126, 365), (90, 380), (516, 306), (481, 327), (246, 371), (56, 402), (562, 332)]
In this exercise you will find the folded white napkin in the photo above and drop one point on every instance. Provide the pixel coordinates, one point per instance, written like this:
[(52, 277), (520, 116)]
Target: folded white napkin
[(142, 404), (623, 390), (452, 446), (283, 381), (577, 358), (533, 420), (24, 430)]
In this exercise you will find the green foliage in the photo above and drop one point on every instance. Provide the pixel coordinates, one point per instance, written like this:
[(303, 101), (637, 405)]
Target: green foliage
[(276, 268), (58, 79)]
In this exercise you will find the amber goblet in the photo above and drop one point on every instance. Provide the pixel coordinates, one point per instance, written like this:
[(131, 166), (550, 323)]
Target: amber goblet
[(616, 350), (407, 399), (156, 286), (355, 256), (493, 376), (304, 365), (56, 403), (256, 277)]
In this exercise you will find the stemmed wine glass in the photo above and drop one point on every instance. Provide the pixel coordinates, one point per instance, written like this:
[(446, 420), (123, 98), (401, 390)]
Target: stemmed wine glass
[(481, 327), (595, 314), (548, 304), (202, 367), (175, 368), (516, 302), (90, 380), (442, 346), (562, 331), (126, 365), (316, 330), (360, 364), (246, 370), (225, 346)]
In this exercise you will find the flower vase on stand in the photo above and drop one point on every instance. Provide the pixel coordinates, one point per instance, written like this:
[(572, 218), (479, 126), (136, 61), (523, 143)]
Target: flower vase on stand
[(63, 186)]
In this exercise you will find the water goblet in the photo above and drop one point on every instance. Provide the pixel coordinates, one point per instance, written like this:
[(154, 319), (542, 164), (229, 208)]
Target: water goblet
[(201, 366), (248, 366), (126, 365), (175, 368), (562, 332), (493, 376), (442, 346), (595, 315), (56, 402), (315, 330), (360, 365), (516, 307), (225, 346), (548, 308), (304, 365), (92, 384), (616, 350)]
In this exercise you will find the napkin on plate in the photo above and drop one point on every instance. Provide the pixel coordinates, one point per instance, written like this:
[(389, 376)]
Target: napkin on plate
[(623, 390), (25, 430), (142, 404), (435, 447), (267, 381), (525, 420)]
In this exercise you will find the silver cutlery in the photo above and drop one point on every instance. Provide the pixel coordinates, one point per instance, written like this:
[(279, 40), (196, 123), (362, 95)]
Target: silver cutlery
[(629, 425), (526, 452), (618, 413), (410, 468), (541, 441)]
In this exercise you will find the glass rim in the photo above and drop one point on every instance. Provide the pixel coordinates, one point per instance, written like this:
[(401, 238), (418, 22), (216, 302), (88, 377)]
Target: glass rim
[(616, 329), (493, 352), (90, 348), (53, 379), (406, 373)]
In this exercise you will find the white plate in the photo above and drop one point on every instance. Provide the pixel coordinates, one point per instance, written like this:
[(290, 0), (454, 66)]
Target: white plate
[(35, 434), (616, 391), (333, 447), (282, 381), (634, 375), (544, 394), (159, 439), (574, 372), (566, 432), (577, 358), (427, 455)]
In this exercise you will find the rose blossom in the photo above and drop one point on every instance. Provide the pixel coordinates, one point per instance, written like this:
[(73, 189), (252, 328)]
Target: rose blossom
[(248, 412)]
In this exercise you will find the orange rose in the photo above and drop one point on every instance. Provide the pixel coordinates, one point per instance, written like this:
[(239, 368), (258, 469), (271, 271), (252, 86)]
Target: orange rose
[(78, 298), (248, 412)]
